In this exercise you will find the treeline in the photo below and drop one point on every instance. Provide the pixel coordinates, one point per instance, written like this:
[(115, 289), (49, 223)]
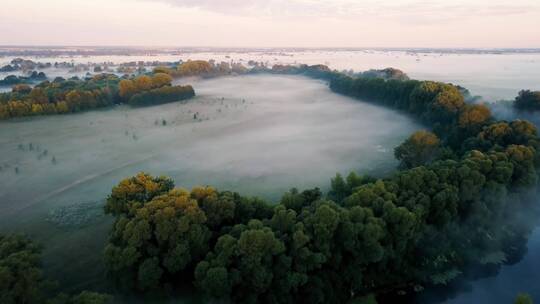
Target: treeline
[(161, 95), (211, 68), (439, 105), (317, 71), (18, 64), (59, 97), (145, 90), (73, 95), (202, 68), (387, 73), (13, 79), (22, 279)]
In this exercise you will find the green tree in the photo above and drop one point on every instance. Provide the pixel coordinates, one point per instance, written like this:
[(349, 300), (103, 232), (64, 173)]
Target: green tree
[(527, 100), (21, 277), (421, 148), (138, 189)]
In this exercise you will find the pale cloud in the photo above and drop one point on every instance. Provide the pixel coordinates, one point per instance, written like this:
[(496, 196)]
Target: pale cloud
[(266, 7), (398, 12), (266, 23), (356, 8)]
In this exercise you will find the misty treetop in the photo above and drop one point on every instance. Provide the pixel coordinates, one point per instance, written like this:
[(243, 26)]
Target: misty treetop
[(203, 68), (387, 73), (129, 87), (18, 64), (73, 95), (32, 77), (528, 100), (146, 90), (422, 147)]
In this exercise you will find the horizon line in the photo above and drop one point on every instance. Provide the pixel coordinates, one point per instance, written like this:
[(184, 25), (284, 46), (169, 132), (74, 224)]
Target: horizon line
[(262, 47)]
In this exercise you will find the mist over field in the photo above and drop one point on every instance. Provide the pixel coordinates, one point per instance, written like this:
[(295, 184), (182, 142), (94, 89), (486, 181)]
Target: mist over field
[(259, 135)]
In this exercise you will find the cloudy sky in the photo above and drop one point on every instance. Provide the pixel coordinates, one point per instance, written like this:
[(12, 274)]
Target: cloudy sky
[(267, 23)]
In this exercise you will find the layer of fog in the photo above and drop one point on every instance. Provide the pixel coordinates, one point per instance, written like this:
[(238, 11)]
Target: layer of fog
[(493, 76), (251, 133), (259, 135)]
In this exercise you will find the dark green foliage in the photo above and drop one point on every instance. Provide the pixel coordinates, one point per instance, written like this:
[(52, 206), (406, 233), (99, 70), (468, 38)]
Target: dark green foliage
[(528, 100), (341, 188), (161, 233), (387, 73), (241, 265), (85, 297), (318, 71), (161, 95), (296, 201), (13, 80), (22, 280), (420, 148)]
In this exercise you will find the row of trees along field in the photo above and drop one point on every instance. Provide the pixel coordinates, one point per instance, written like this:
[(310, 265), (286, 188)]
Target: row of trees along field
[(62, 96), (203, 68), (459, 205), (73, 95)]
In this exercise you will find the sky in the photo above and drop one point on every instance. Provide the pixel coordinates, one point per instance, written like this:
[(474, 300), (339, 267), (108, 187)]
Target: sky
[(273, 23)]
